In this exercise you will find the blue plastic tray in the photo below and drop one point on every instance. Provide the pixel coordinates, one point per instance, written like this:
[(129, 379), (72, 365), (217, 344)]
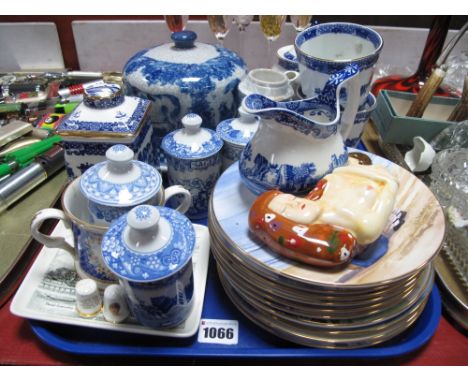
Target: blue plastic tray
[(253, 341)]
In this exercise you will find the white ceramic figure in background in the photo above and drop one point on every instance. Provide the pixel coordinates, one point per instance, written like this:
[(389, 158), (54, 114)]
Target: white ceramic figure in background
[(297, 142), (104, 118), (269, 83), (115, 186), (87, 236), (236, 133), (328, 48), (184, 77), (194, 160), (150, 251), (420, 157)]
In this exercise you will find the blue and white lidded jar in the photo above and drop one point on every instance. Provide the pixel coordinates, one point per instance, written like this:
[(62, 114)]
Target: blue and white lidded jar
[(183, 77), (150, 251), (194, 161), (106, 117), (236, 133), (117, 185)]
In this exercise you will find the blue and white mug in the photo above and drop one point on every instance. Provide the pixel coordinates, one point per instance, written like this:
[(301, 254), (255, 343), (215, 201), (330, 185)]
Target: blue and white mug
[(87, 236), (326, 49)]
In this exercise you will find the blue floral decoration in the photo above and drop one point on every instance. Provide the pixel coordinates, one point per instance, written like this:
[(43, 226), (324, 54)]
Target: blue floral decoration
[(106, 193), (178, 150), (148, 267)]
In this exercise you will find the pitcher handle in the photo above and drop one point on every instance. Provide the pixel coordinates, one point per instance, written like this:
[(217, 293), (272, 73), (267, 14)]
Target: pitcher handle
[(179, 190), (48, 240)]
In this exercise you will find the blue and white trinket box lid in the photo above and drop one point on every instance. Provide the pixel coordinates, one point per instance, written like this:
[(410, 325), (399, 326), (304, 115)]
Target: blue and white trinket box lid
[(120, 181), (106, 112), (238, 131), (148, 244), (193, 141)]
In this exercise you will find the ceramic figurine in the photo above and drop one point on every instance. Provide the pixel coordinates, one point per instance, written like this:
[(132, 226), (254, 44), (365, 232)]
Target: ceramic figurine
[(150, 252), (297, 142), (349, 207), (235, 133), (104, 118), (115, 186), (194, 160), (183, 77)]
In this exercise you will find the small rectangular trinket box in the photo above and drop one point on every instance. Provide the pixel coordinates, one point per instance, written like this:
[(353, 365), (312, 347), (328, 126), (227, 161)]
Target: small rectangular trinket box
[(101, 122)]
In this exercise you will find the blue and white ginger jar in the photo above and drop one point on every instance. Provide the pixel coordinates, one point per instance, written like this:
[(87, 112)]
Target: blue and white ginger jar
[(186, 77), (194, 161), (150, 251)]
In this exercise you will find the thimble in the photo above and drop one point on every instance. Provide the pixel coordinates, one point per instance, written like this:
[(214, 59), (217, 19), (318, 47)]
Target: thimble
[(88, 299), (115, 304)]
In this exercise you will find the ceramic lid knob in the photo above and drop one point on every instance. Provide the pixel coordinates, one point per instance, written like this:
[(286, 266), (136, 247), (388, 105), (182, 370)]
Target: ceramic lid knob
[(120, 158), (143, 218), (146, 230), (192, 123), (184, 39), (246, 117)]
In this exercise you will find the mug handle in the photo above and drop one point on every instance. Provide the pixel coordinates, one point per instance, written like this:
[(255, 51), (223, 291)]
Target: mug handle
[(47, 240), (352, 106), (179, 190)]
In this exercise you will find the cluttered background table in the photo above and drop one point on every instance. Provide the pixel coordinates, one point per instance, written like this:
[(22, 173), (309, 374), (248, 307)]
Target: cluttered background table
[(438, 337)]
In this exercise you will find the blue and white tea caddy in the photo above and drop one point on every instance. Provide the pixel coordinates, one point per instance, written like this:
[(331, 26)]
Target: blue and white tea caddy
[(104, 118), (150, 252), (236, 133), (115, 186), (194, 161), (183, 77)]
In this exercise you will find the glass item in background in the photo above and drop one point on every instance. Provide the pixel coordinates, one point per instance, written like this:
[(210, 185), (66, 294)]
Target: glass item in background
[(452, 137), (271, 26), (176, 23), (219, 25), (300, 22), (243, 22), (457, 70), (432, 49)]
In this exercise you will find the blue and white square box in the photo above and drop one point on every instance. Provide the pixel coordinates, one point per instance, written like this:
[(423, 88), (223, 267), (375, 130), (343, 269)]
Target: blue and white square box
[(104, 118)]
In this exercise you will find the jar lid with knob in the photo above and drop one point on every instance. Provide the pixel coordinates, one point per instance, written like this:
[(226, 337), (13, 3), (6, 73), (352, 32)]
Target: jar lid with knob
[(192, 141), (148, 244), (120, 181)]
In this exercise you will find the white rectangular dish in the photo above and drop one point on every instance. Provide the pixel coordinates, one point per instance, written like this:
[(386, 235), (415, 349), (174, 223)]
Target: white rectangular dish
[(48, 294)]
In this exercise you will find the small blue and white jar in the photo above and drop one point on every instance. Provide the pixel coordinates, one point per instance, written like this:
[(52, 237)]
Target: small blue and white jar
[(150, 251), (236, 133), (194, 161), (115, 186)]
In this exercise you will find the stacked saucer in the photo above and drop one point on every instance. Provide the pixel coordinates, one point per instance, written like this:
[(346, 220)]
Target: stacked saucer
[(370, 300)]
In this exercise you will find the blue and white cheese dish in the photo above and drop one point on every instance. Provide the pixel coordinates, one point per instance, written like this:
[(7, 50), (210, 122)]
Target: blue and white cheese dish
[(236, 133), (150, 251), (194, 161), (183, 77), (117, 185), (104, 118)]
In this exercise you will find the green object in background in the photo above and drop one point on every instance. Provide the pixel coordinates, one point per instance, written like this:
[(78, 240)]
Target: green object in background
[(23, 157), (65, 108)]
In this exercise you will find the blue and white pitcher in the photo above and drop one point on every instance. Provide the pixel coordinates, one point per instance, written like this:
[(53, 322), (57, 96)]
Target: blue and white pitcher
[(297, 142)]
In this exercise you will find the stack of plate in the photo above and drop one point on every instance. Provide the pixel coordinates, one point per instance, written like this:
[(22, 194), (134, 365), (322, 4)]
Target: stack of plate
[(372, 299)]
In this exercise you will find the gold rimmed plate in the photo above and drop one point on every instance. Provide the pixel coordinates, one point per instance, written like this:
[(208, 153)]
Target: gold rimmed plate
[(410, 248)]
